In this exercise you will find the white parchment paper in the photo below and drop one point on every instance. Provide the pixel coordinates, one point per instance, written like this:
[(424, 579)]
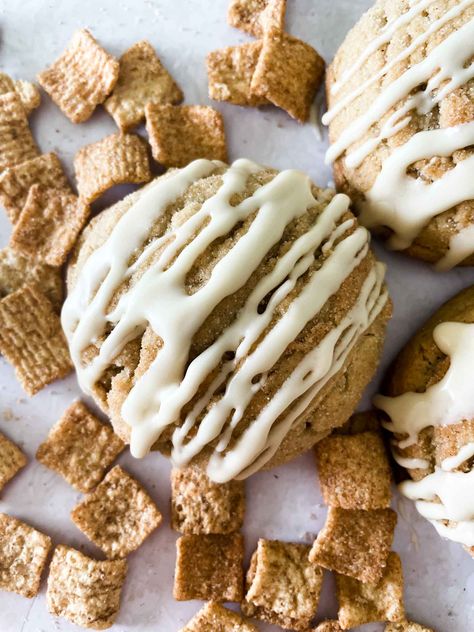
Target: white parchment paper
[(284, 503)]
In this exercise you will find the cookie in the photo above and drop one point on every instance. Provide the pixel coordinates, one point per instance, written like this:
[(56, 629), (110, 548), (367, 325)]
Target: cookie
[(428, 402), (226, 271), (401, 126)]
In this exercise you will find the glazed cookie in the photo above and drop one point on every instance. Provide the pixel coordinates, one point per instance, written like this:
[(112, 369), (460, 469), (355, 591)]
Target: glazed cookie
[(429, 404), (401, 125), (226, 315)]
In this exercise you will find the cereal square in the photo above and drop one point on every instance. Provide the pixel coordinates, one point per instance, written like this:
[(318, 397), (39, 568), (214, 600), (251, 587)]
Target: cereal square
[(32, 340), (28, 92), (230, 71), (407, 626), (49, 224), (288, 73), (328, 626), (354, 471), (81, 78), (12, 460), (16, 270), (452, 441), (209, 567), (180, 134), (23, 553), (142, 79), (116, 159), (198, 505), (361, 603), (15, 182), (355, 543), (118, 515), (83, 590), (16, 141), (283, 586), (255, 16), (80, 448), (215, 618)]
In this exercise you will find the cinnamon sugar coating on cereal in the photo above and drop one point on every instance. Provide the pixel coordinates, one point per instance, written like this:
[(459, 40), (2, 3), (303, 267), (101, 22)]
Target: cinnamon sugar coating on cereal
[(49, 224), (180, 134), (288, 73), (198, 505), (83, 590), (355, 542), (361, 603), (209, 567), (328, 626), (230, 71), (283, 586), (23, 553), (118, 515), (27, 91), (116, 159), (354, 471), (32, 340), (142, 79), (81, 78), (16, 141), (407, 626), (12, 460), (215, 618), (256, 16), (80, 448)]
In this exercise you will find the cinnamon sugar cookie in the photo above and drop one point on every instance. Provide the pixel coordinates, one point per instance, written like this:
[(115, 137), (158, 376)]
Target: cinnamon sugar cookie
[(429, 404), (227, 315), (401, 125)]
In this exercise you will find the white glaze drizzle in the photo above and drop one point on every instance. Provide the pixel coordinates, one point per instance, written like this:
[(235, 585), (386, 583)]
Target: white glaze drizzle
[(410, 463), (159, 298), (443, 70), (444, 494), (461, 246)]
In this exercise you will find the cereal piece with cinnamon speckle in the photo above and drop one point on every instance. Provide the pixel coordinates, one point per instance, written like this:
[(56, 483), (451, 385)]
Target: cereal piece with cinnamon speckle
[(180, 134), (361, 603), (255, 16), (198, 505), (12, 460), (215, 618), (16, 141), (32, 340), (80, 448), (83, 590), (209, 567), (142, 79), (407, 626), (328, 626), (81, 78), (23, 553), (118, 515), (28, 92), (288, 73), (355, 543), (283, 586)]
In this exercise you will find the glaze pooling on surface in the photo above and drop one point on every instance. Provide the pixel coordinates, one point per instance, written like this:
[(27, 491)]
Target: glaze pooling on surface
[(444, 494), (397, 200), (158, 298)]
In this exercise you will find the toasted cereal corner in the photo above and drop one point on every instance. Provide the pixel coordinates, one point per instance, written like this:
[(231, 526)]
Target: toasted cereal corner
[(12, 460), (213, 617)]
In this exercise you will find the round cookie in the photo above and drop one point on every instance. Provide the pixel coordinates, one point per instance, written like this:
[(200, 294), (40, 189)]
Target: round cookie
[(429, 402), (226, 315), (401, 125)]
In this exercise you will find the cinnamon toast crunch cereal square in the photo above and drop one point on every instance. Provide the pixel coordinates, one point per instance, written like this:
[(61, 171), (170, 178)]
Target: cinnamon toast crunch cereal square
[(198, 505), (355, 543), (288, 73), (142, 79), (32, 340), (255, 16), (23, 553), (16, 141), (83, 590), (80, 448), (116, 159), (361, 603), (12, 460), (215, 618), (209, 567), (27, 91), (407, 626), (180, 134), (283, 586), (118, 515), (81, 78)]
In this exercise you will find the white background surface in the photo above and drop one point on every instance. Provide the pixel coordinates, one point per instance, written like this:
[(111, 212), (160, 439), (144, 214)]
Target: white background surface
[(283, 503)]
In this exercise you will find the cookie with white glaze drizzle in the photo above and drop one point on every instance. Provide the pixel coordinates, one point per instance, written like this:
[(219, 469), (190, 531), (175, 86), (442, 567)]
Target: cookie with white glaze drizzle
[(428, 403), (226, 315), (401, 125)]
